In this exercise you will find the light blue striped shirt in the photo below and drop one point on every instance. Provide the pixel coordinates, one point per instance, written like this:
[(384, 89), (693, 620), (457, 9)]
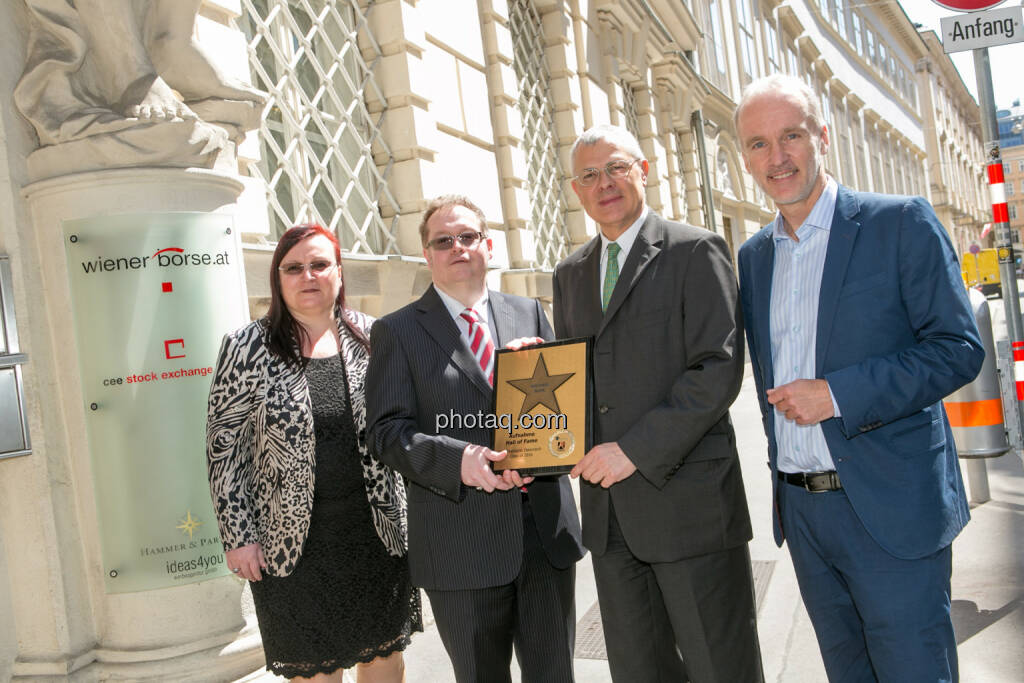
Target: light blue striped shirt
[(796, 284)]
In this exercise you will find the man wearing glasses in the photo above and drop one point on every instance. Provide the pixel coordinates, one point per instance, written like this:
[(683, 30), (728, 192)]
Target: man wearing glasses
[(496, 554), (664, 511)]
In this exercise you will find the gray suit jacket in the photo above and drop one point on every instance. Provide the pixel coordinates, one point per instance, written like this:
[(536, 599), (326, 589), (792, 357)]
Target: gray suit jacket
[(459, 538), (668, 363)]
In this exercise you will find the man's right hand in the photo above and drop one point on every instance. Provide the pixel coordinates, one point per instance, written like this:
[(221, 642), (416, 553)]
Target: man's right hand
[(476, 468)]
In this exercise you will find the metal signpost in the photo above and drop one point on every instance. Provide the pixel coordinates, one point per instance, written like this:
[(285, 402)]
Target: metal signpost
[(978, 30)]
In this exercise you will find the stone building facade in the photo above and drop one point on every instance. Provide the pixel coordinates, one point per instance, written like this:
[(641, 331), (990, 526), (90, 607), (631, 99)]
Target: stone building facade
[(374, 106)]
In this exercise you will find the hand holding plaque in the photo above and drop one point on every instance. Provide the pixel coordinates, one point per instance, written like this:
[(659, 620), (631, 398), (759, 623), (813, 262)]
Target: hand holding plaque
[(542, 405)]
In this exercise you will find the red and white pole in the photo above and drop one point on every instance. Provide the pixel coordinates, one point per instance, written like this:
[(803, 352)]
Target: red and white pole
[(997, 192), (1018, 368)]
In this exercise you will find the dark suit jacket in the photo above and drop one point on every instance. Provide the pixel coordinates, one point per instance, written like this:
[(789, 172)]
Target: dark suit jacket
[(668, 363), (459, 538), (895, 335)]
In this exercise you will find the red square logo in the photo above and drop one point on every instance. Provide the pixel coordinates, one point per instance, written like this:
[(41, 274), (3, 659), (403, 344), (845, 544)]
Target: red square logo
[(168, 287)]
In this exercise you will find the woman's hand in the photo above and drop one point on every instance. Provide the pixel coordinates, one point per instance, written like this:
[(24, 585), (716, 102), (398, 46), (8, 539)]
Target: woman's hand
[(247, 561)]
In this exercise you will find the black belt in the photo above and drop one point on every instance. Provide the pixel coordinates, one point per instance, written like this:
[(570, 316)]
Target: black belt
[(815, 482)]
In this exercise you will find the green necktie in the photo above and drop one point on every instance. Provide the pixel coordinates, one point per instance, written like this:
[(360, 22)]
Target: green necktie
[(611, 274)]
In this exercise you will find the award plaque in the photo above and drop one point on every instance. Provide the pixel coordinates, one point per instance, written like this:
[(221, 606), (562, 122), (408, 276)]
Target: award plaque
[(542, 406)]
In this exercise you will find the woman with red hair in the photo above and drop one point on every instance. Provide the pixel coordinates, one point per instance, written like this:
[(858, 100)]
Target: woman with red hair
[(306, 514)]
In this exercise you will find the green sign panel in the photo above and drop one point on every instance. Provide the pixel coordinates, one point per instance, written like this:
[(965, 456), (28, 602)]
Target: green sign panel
[(152, 294)]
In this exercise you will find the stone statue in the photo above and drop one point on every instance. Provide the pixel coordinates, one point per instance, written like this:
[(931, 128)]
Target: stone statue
[(114, 83), (724, 177)]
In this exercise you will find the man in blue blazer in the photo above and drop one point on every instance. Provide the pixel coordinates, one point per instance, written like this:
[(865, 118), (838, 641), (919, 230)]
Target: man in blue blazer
[(858, 325)]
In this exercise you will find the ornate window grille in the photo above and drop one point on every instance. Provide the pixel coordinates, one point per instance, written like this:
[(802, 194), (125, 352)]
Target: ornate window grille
[(540, 144), (318, 138), (629, 110)]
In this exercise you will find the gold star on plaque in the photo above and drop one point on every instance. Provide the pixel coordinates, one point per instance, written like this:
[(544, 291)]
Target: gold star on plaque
[(540, 389), (189, 525)]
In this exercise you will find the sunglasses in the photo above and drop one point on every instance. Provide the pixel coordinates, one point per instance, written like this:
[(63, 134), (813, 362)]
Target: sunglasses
[(445, 242), (614, 169), (317, 267)]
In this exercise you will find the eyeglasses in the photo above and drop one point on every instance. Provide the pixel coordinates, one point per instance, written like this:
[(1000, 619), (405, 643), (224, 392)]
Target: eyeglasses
[(614, 169), (445, 242), (317, 267)]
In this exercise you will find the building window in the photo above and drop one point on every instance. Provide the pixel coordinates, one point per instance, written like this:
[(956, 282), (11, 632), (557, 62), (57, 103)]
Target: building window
[(791, 59), (629, 110), (316, 61), (1013, 211), (877, 183), (901, 171), (856, 33), (844, 142), (714, 47), (915, 167), (1010, 191), (869, 45), (540, 144), (1006, 168), (858, 150), (1020, 166), (748, 46), (771, 47), (826, 106), (837, 10), (887, 162)]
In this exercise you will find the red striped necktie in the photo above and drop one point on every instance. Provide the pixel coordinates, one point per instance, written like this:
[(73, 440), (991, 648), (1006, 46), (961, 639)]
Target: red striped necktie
[(480, 344)]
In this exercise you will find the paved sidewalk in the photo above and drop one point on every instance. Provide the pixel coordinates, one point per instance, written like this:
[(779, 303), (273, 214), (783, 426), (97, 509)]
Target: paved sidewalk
[(988, 584)]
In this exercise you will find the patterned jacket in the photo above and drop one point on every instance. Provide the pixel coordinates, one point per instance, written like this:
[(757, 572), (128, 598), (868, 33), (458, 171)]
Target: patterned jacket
[(261, 452)]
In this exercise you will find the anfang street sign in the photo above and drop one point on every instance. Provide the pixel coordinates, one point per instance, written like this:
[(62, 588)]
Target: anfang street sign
[(982, 29)]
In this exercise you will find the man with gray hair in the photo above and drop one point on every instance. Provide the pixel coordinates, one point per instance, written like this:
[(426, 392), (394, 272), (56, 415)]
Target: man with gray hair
[(858, 325), (664, 511)]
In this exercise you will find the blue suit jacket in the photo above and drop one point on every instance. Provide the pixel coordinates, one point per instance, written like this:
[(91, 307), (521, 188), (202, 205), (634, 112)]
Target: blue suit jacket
[(895, 336)]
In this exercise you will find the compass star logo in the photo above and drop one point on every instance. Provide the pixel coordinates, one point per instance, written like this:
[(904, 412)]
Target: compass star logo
[(540, 389), (189, 525)]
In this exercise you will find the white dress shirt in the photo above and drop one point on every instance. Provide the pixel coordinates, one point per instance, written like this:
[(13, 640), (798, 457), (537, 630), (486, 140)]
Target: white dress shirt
[(796, 286), (456, 307), (625, 242)]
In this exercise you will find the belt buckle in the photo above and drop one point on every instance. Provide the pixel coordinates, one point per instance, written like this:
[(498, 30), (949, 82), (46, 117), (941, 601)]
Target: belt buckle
[(807, 482)]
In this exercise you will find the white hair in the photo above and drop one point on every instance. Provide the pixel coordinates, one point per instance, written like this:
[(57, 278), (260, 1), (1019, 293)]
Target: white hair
[(788, 86), (620, 137)]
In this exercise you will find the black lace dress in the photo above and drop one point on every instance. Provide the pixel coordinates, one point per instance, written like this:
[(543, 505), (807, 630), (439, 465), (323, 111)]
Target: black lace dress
[(347, 601)]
